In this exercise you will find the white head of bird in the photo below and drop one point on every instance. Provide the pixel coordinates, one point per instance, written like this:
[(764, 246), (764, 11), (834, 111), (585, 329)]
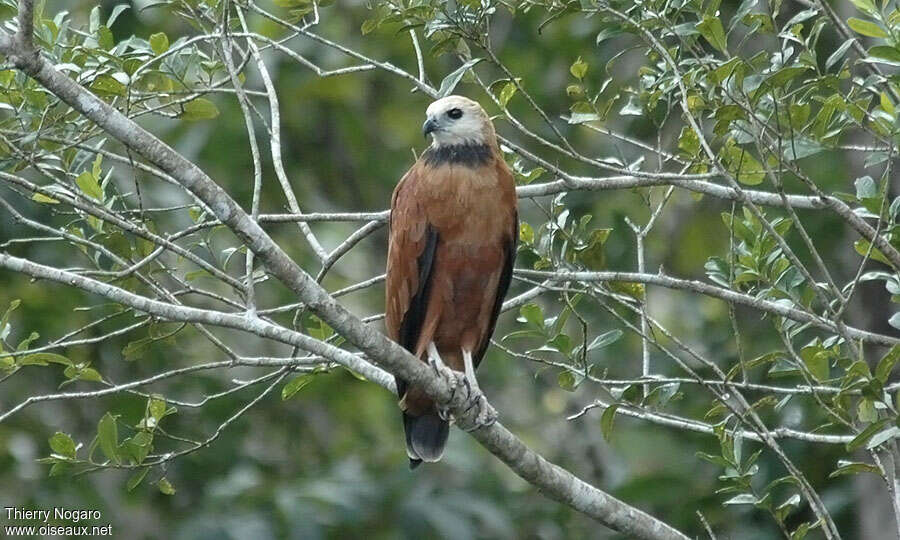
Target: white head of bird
[(455, 120)]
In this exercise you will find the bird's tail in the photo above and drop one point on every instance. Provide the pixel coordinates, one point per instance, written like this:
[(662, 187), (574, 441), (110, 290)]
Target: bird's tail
[(426, 436)]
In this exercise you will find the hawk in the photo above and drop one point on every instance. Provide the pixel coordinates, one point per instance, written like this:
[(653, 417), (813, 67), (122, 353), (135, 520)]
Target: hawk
[(453, 231)]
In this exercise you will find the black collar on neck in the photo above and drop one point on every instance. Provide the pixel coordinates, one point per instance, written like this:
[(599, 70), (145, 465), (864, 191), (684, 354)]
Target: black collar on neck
[(468, 154)]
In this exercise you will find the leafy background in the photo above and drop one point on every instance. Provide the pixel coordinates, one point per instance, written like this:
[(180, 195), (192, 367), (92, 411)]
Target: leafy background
[(330, 462)]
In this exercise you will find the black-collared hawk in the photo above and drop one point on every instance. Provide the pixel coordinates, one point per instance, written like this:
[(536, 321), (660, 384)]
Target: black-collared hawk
[(453, 233)]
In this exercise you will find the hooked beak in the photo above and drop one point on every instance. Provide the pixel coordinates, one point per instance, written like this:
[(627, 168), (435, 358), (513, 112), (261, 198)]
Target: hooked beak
[(429, 126)]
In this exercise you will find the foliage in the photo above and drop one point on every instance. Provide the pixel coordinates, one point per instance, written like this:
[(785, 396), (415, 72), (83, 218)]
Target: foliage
[(709, 254)]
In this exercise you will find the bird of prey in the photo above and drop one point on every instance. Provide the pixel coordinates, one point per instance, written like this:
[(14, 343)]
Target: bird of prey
[(453, 232)]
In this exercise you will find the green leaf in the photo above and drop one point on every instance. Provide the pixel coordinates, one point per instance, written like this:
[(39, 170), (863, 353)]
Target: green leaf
[(783, 76), (865, 187), (355, 375), (62, 444), (886, 104), (724, 71), (866, 434), (866, 28), (318, 329), (882, 437), (137, 447), (530, 176), (107, 84), (817, 361), (43, 199), (135, 350), (451, 80), (562, 343), (568, 381), (605, 339), (661, 395), (137, 478), (838, 53), (526, 233), (156, 407), (197, 274), (688, 141), (116, 11), (25, 344), (165, 487), (4, 321), (889, 55), (866, 6), (578, 69), (89, 185), (865, 410), (632, 289), (862, 247), (742, 164), (712, 31), (532, 314), (94, 19), (369, 25), (592, 253), (743, 498), (761, 21), (886, 364), (852, 467), (607, 419), (295, 385), (199, 109), (607, 33), (108, 437), (105, 38), (89, 374), (43, 358), (60, 468), (716, 460), (581, 118), (523, 334), (96, 167), (506, 94), (159, 42)]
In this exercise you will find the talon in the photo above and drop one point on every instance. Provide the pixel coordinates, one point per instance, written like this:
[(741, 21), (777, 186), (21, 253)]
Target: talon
[(468, 388), (471, 404), (443, 414), (434, 359), (486, 415)]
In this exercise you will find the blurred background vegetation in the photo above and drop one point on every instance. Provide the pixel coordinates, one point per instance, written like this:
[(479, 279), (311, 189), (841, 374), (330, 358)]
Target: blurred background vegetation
[(330, 462)]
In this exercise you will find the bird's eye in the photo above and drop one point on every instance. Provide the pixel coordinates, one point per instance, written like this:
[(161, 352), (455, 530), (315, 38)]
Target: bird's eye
[(454, 113)]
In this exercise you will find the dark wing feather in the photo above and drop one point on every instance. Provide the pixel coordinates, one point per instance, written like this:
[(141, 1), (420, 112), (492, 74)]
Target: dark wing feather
[(418, 305), (415, 313)]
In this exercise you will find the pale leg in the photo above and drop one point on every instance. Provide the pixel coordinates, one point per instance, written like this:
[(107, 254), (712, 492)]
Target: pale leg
[(486, 414), (434, 359), (469, 367), (441, 369)]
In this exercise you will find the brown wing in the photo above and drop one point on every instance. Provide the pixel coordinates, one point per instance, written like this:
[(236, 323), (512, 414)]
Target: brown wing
[(413, 242)]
